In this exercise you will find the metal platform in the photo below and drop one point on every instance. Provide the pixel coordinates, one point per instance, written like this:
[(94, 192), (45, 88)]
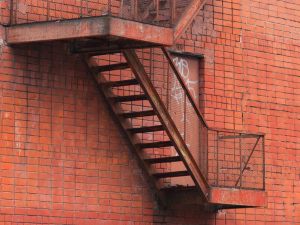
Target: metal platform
[(90, 27)]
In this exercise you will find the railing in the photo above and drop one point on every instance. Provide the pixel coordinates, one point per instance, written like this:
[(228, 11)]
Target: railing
[(183, 104), (226, 158), (160, 12), (180, 96), (236, 159)]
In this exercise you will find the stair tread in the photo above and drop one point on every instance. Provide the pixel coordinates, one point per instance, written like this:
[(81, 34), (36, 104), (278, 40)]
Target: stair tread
[(159, 144), (163, 159), (178, 188), (92, 53), (138, 114), (120, 83), (171, 174), (116, 66), (128, 98), (146, 129)]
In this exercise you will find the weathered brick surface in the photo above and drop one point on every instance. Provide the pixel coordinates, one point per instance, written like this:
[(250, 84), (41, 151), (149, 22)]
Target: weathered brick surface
[(4, 11), (64, 161)]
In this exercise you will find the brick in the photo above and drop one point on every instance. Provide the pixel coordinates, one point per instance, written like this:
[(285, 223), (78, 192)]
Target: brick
[(64, 160)]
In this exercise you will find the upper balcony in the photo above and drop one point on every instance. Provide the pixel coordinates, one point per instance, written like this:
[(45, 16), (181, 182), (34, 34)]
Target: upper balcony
[(140, 23)]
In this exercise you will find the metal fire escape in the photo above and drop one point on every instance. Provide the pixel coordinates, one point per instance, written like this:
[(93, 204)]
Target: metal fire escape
[(122, 43)]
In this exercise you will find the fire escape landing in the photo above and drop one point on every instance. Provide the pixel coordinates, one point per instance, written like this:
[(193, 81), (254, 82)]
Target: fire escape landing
[(117, 30), (133, 96)]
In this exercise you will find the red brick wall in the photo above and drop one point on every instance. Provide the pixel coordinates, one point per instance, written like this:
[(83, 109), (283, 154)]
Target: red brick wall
[(64, 161), (4, 11), (252, 83)]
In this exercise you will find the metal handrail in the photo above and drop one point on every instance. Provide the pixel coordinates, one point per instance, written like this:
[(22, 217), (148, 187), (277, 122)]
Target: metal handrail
[(135, 11), (184, 87)]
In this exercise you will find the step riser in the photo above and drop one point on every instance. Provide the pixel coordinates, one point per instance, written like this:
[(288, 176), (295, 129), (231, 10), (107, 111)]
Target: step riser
[(119, 66), (146, 129), (129, 98), (171, 174), (155, 145), (163, 160), (120, 83), (138, 114)]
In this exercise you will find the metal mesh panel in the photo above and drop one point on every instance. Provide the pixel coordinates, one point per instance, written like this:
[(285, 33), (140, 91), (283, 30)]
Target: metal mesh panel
[(236, 159), (178, 104), (137, 106), (225, 158), (159, 12), (156, 67)]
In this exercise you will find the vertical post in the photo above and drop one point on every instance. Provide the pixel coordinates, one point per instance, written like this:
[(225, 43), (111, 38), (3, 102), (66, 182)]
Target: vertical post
[(217, 140), (157, 9), (134, 9), (206, 149), (86, 6), (168, 86), (151, 75), (109, 7), (11, 12), (121, 8), (173, 11), (184, 119), (241, 159), (264, 163), (81, 12), (48, 10), (200, 140)]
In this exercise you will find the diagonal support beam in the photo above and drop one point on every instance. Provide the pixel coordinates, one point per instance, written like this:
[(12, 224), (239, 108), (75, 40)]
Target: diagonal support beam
[(187, 17), (185, 88), (105, 27), (167, 122), (246, 164)]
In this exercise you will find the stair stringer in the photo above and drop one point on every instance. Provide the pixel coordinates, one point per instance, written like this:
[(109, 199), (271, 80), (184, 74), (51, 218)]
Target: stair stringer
[(166, 120), (133, 140), (187, 17)]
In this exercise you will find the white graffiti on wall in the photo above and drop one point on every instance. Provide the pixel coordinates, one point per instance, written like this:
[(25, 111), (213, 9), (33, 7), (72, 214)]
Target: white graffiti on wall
[(178, 94), (177, 91)]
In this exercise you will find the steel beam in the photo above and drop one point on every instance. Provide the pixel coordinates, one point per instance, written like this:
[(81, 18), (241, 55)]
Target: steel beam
[(238, 197), (187, 17), (167, 122), (92, 27)]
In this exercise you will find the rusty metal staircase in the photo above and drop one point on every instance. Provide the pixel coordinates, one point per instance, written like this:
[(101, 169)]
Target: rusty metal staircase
[(155, 108), (110, 47), (132, 99)]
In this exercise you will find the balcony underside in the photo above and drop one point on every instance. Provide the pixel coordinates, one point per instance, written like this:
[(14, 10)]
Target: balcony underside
[(219, 198), (103, 27)]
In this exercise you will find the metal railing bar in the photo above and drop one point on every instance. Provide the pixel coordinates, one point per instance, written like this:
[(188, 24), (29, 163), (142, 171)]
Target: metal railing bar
[(246, 164), (11, 9), (241, 159), (183, 85), (238, 136), (235, 131), (264, 163)]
